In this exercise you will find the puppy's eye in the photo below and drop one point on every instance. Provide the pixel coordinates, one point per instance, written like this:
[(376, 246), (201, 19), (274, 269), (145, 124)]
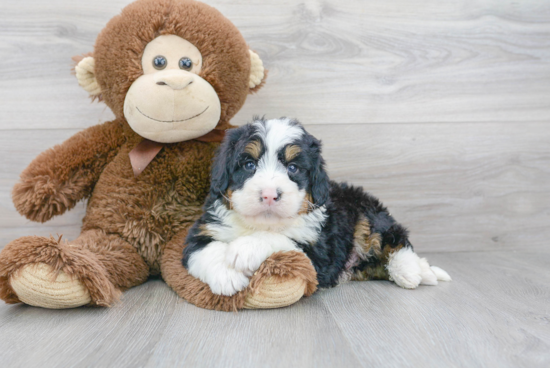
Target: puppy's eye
[(293, 169), (250, 166), (185, 63), (159, 62)]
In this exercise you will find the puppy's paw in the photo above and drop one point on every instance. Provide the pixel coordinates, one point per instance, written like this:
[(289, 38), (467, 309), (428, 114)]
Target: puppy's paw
[(227, 281), (408, 270), (246, 254), (208, 265), (441, 275), (405, 269), (428, 276)]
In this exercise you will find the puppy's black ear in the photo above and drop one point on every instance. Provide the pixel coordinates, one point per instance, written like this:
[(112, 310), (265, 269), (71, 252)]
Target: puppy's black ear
[(222, 166), (318, 178)]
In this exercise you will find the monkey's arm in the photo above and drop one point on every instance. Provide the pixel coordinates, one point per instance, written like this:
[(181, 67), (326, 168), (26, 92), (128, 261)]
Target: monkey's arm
[(60, 177)]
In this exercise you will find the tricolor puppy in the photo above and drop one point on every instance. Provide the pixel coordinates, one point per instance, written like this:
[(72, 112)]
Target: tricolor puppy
[(270, 193)]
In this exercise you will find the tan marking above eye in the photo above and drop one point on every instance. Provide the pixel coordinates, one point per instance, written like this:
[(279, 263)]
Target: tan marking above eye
[(291, 152), (254, 149)]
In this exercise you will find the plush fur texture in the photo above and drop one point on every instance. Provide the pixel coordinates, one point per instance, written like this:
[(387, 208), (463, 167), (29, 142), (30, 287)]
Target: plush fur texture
[(263, 175), (130, 221)]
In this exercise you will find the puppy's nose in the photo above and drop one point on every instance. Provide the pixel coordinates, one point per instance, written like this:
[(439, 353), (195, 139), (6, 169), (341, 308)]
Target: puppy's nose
[(270, 196), (175, 79)]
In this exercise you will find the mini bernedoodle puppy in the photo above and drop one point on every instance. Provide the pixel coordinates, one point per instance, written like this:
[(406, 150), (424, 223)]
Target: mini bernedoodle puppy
[(270, 193)]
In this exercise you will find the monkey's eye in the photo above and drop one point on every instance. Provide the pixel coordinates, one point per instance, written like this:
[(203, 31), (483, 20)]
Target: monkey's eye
[(293, 169), (249, 166), (159, 62), (186, 63)]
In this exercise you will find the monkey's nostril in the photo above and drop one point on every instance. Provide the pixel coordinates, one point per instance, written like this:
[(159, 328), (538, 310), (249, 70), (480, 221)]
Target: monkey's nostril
[(161, 83)]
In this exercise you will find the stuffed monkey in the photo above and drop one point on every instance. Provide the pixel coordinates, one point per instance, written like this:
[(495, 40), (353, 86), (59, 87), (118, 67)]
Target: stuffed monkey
[(174, 72)]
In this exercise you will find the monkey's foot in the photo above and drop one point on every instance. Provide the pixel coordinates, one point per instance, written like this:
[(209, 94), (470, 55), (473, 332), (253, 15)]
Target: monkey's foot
[(39, 285), (276, 293), (49, 273), (282, 280)]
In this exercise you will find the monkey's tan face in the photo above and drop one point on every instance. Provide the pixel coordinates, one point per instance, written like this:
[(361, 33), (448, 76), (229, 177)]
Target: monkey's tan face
[(170, 102)]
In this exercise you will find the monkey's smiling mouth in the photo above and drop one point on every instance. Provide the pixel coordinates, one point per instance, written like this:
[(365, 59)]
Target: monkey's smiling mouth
[(172, 121)]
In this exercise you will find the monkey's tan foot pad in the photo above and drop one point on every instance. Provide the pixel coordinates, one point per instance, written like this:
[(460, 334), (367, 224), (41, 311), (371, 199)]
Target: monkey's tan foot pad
[(276, 293), (38, 285)]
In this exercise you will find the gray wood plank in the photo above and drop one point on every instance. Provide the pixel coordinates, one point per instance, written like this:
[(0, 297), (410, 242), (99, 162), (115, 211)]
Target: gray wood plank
[(523, 301), (481, 319), (494, 313), (330, 61), (467, 186), (122, 336), (304, 335)]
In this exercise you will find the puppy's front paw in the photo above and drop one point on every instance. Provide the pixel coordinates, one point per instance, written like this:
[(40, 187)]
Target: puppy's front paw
[(246, 254), (227, 281), (208, 265)]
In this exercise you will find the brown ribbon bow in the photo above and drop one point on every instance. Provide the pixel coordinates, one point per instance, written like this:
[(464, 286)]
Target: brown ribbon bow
[(146, 150)]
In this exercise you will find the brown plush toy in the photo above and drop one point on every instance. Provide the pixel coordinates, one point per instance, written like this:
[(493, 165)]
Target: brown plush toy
[(174, 72)]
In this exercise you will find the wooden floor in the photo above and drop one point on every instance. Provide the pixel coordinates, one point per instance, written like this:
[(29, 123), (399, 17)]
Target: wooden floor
[(495, 313), (440, 108)]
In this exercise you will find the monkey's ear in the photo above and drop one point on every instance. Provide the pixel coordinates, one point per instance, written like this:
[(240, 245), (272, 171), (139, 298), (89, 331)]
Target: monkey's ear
[(257, 72), (85, 75)]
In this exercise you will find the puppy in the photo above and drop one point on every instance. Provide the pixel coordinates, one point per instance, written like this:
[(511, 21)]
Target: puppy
[(270, 193)]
